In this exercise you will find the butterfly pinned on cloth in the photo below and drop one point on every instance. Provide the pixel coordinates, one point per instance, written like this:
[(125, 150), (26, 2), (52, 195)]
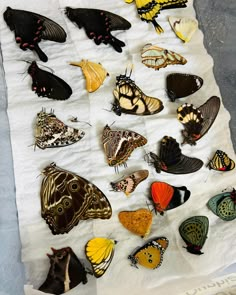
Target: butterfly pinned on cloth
[(166, 196), (66, 272), (129, 183), (224, 205), (194, 232), (94, 73), (50, 132), (150, 255), (138, 222), (118, 145), (180, 85), (99, 24), (30, 28), (46, 84), (156, 57), (130, 99), (67, 198), (100, 251), (148, 10), (221, 162), (197, 121), (171, 159)]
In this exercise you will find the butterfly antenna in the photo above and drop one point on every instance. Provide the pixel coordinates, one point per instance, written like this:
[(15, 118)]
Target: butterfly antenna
[(89, 271), (107, 110), (112, 123), (52, 71)]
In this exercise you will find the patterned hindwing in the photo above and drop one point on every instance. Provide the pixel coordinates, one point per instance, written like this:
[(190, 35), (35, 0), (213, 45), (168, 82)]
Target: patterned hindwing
[(51, 132), (119, 145), (213, 203), (67, 198), (221, 162), (192, 120), (226, 209)]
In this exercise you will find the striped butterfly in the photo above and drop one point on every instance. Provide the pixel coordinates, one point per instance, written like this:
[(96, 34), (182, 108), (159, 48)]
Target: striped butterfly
[(221, 162), (130, 99), (197, 121), (194, 232), (100, 252), (67, 198)]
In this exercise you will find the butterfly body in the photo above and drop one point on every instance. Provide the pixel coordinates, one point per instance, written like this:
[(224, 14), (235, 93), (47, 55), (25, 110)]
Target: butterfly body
[(30, 28), (66, 272), (98, 25), (67, 198), (130, 99), (221, 162), (46, 84)]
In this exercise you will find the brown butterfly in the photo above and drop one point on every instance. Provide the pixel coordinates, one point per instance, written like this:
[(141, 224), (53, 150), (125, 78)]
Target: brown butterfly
[(119, 145), (67, 198)]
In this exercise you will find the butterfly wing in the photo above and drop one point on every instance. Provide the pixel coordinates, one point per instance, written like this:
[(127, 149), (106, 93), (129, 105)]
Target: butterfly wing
[(226, 209), (221, 162), (156, 57), (171, 4), (194, 232), (98, 25), (214, 201), (162, 194), (100, 251), (180, 196), (67, 198)]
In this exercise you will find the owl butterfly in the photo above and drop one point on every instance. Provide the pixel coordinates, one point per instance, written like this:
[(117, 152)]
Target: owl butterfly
[(119, 145), (197, 121), (194, 232), (99, 24), (171, 159), (48, 85), (65, 273), (129, 183), (50, 132), (130, 99), (221, 162), (150, 255), (148, 10), (100, 252), (30, 28), (224, 205), (94, 73), (156, 57), (67, 198), (184, 27)]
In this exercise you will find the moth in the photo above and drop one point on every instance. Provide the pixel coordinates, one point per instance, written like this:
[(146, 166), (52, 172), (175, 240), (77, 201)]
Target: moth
[(197, 121), (130, 99), (30, 28), (67, 198), (50, 132), (99, 24), (46, 84), (221, 162), (156, 57)]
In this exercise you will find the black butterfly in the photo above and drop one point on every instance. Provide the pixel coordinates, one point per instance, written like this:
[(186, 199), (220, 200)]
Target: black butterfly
[(31, 27), (197, 121), (98, 25), (47, 84), (171, 159)]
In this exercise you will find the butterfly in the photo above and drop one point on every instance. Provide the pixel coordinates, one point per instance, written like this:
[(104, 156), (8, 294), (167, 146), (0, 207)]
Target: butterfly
[(51, 132), (66, 272), (94, 73), (171, 159), (129, 183), (46, 84), (138, 222), (98, 25), (119, 145), (130, 99), (221, 162), (184, 27), (224, 205), (67, 198), (197, 121), (156, 57), (30, 28), (194, 232), (148, 10), (150, 255), (166, 197), (100, 252), (181, 85)]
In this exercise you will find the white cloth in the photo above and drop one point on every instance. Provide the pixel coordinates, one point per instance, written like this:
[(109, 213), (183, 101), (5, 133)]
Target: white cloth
[(86, 158)]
